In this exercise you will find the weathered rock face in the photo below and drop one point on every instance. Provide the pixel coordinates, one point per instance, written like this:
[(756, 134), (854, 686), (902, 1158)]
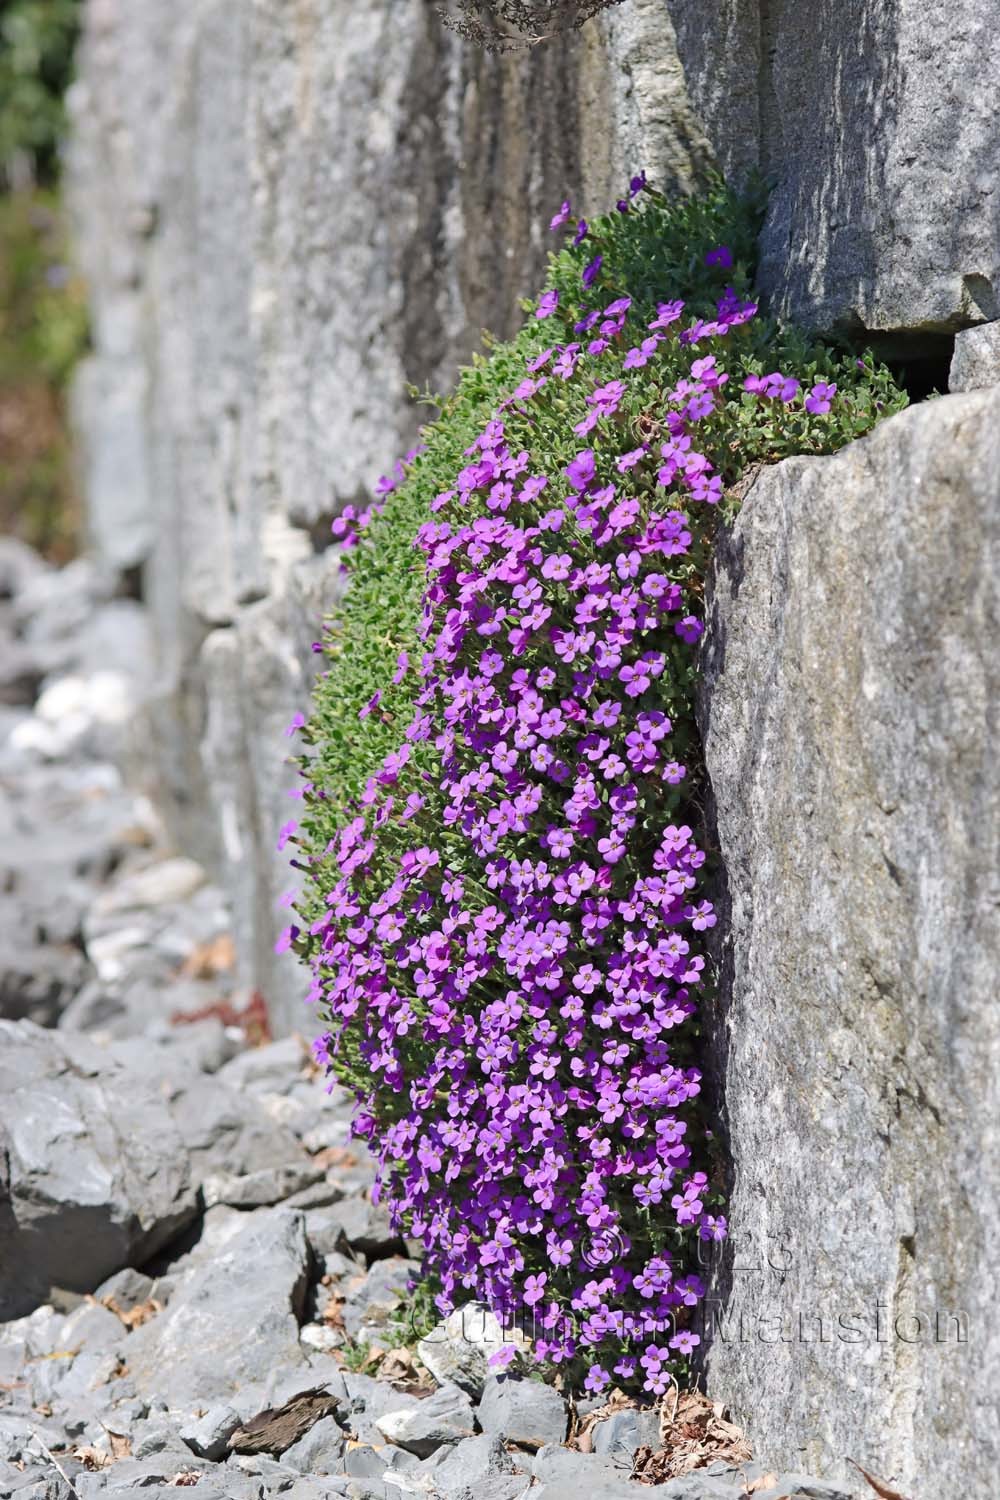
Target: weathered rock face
[(975, 364), (92, 1169), (877, 125), (850, 722)]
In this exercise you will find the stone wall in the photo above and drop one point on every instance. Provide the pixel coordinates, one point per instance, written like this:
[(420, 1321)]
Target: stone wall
[(850, 720), (288, 212)]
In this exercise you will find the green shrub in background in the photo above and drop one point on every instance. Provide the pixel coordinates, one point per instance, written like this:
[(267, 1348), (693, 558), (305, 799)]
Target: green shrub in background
[(37, 38), (43, 318), (43, 332)]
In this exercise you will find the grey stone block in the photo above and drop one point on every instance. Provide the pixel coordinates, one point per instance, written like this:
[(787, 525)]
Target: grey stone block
[(975, 364), (232, 1321), (96, 1175), (442, 1418), (527, 1412), (852, 683)]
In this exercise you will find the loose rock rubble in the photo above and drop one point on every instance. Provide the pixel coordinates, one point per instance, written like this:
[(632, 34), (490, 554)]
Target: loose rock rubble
[(197, 1289)]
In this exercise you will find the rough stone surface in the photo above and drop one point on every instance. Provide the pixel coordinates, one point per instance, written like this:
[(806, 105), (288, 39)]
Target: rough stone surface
[(444, 1417), (223, 1329), (975, 364), (850, 724), (475, 1461), (625, 1432), (525, 1411), (884, 213), (93, 1173), (459, 1348)]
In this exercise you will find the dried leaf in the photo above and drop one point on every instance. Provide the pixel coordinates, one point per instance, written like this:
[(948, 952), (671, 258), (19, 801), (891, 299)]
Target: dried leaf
[(92, 1458), (186, 1478), (121, 1446), (253, 1019), (209, 960), (878, 1485), (335, 1156), (694, 1433), (132, 1317), (762, 1482), (333, 1313)]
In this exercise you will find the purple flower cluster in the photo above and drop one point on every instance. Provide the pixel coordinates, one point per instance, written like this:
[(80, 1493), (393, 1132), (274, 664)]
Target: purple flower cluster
[(509, 947), (779, 387)]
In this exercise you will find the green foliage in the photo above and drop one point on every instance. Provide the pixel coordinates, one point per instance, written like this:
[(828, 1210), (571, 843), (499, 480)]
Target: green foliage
[(502, 891), (43, 332), (654, 253), (37, 38)]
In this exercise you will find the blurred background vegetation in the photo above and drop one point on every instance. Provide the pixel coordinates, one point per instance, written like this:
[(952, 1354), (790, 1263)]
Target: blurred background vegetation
[(43, 319)]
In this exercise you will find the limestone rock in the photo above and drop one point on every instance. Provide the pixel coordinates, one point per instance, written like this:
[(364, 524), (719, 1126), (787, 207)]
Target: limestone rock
[(231, 1322), (525, 1411), (459, 1348), (442, 1418), (849, 720), (93, 1173), (208, 1435), (976, 361), (474, 1462), (626, 1431), (883, 213)]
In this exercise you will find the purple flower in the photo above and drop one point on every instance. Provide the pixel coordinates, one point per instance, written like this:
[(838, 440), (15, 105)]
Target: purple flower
[(547, 304), (667, 313), (642, 354), (819, 398), (581, 232), (534, 1288), (580, 472), (720, 256), (560, 842), (685, 1341), (503, 1357), (560, 218), (286, 939), (784, 387), (592, 270)]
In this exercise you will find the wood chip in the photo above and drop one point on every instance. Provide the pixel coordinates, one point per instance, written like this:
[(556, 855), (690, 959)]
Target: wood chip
[(275, 1429)]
